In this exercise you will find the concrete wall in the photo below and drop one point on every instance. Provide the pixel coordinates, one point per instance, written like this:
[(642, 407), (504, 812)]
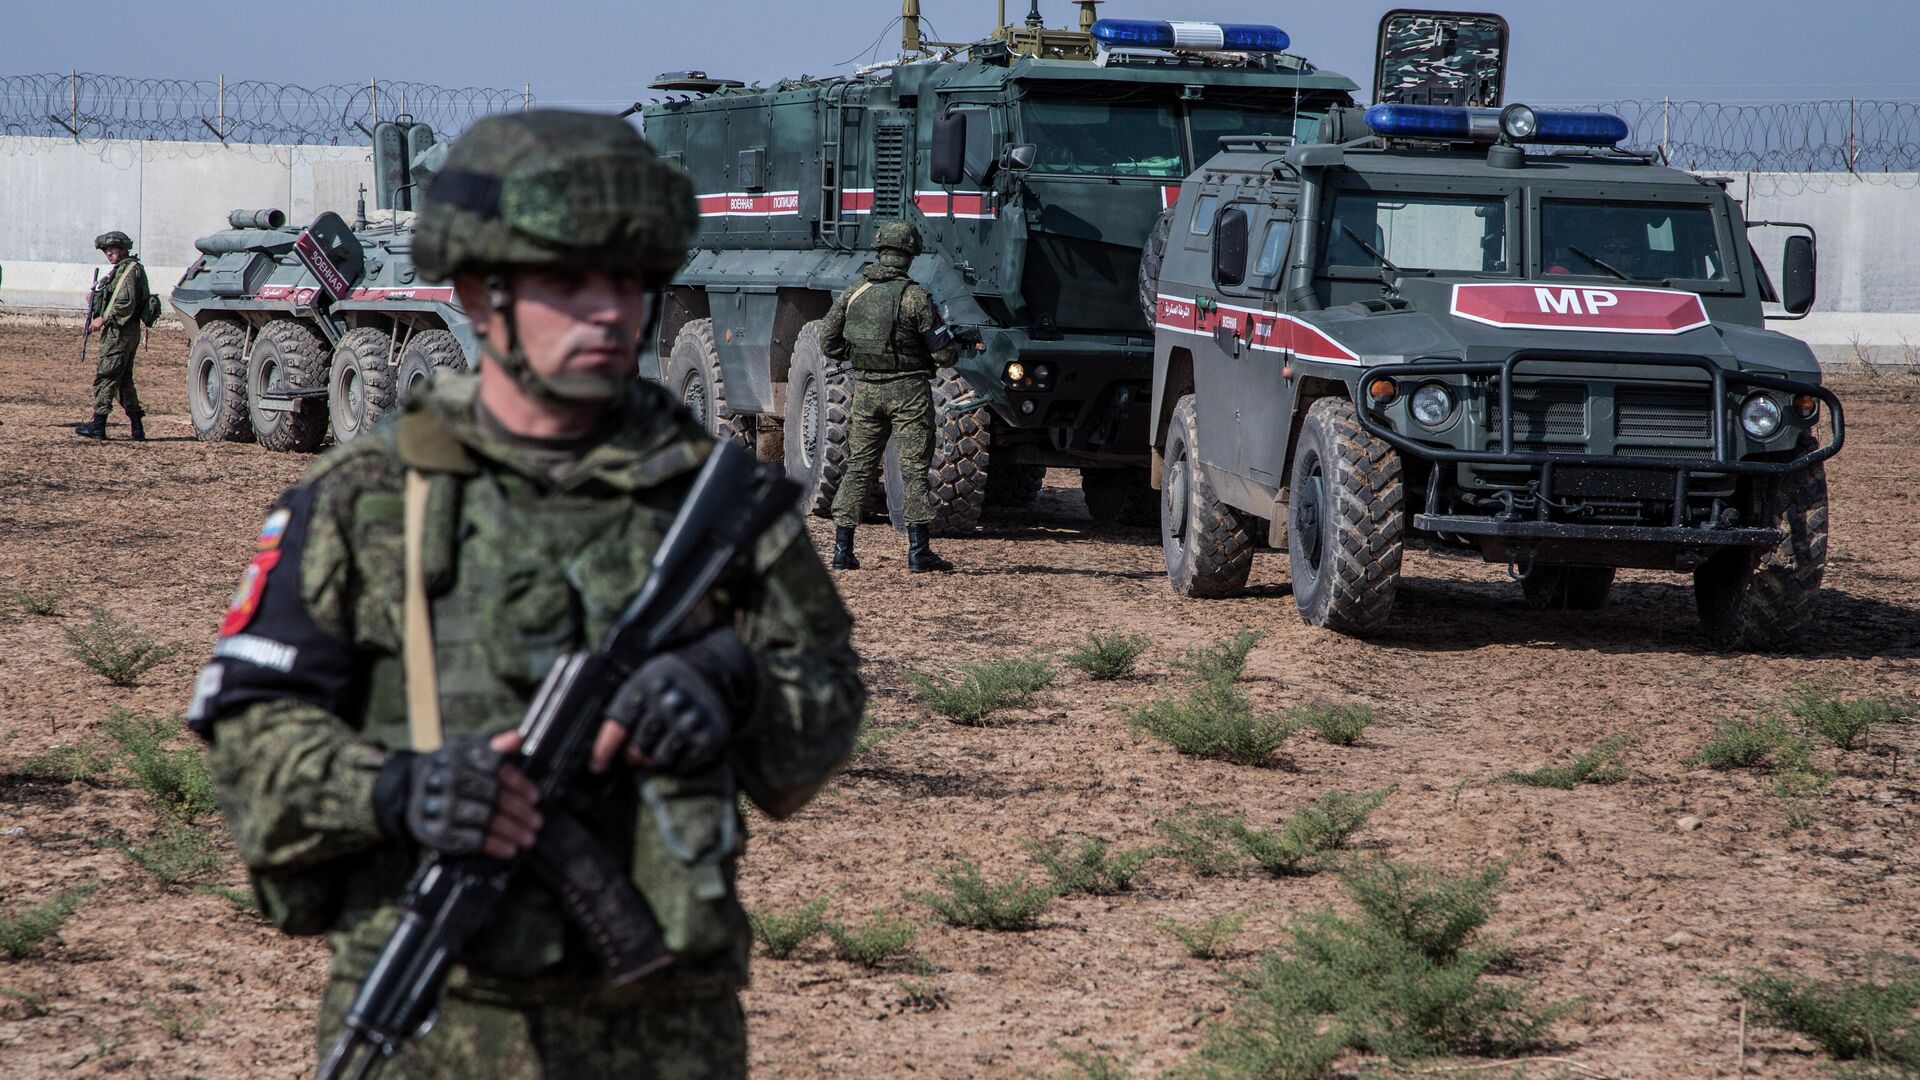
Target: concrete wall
[(56, 195)]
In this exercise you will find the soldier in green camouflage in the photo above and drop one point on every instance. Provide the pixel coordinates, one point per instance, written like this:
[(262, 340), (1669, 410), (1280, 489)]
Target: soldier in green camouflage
[(115, 309), (503, 520), (890, 332)]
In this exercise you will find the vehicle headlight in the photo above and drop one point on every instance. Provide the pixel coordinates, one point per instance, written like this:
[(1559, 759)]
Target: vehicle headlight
[(1016, 371), (1432, 404), (1519, 123), (1760, 416)]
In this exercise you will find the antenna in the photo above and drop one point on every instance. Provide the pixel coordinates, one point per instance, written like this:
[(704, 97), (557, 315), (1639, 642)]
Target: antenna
[(1033, 16), (910, 26), (1088, 14)]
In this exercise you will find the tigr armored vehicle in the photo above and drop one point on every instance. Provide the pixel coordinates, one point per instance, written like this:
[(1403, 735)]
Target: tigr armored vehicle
[(1033, 164), (299, 331), (1410, 328)]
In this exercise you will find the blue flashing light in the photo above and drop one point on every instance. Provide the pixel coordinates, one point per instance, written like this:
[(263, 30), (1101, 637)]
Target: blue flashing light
[(1483, 125), (1210, 37)]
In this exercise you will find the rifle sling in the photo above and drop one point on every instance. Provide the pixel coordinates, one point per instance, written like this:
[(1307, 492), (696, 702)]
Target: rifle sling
[(423, 681), (599, 898)]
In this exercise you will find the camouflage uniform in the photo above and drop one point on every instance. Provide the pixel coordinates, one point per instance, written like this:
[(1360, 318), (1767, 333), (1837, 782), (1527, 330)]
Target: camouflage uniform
[(528, 550), (888, 328), (119, 299)]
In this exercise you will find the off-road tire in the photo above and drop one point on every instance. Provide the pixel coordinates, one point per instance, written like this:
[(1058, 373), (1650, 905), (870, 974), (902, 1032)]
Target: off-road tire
[(1120, 497), (962, 462), (693, 377), (288, 354), (1760, 598), (362, 383), (217, 383), (1152, 255), (429, 353), (1015, 487), (1208, 545), (1345, 521), (818, 408), (1567, 588)]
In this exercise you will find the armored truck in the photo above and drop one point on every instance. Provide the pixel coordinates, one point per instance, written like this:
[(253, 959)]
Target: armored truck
[(1489, 331), (1034, 164), (299, 331)]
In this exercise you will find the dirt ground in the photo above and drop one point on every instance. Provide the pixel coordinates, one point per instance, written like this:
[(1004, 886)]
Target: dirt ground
[(175, 982)]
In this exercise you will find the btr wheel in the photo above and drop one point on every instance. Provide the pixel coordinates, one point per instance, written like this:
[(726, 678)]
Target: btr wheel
[(693, 375), (818, 406), (1762, 597), (962, 449), (217, 383), (362, 384), (1567, 588), (287, 355), (1207, 544), (1345, 521), (1016, 487), (429, 353)]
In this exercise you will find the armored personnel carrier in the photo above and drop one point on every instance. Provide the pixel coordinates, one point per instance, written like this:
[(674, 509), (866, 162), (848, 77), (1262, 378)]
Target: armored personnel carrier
[(1034, 164), (301, 331), (1415, 325)]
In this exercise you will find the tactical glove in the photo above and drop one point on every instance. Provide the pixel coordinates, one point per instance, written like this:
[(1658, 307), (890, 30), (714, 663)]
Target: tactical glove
[(442, 799), (680, 707)]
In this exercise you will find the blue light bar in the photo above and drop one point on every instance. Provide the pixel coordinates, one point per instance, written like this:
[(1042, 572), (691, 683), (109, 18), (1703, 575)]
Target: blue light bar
[(1483, 125), (1208, 37)]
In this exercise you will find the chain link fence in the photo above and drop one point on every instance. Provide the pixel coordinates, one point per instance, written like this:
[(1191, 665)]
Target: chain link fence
[(92, 108)]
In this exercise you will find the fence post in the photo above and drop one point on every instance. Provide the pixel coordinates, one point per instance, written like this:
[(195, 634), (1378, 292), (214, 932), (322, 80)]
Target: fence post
[(1666, 128), (526, 97), (222, 107), (73, 82), (373, 99), (1853, 151)]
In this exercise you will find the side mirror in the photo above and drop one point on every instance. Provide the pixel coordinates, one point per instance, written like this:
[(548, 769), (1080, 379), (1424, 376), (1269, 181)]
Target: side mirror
[(1019, 157), (1798, 274), (949, 165), (1230, 247)]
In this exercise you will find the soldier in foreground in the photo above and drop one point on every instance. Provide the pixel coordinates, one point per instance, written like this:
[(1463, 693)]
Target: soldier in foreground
[(503, 520), (890, 332), (115, 309)]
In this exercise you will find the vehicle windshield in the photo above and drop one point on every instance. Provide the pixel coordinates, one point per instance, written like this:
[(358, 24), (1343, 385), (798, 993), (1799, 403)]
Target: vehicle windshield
[(1210, 123), (1633, 242), (1418, 232), (1101, 138)]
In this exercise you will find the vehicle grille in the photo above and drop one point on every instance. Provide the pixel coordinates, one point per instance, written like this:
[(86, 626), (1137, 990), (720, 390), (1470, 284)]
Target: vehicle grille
[(1663, 412), (1543, 412)]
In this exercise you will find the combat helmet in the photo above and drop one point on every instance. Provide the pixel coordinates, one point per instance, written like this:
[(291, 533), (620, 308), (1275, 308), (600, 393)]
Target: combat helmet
[(112, 239), (897, 236), (551, 189)]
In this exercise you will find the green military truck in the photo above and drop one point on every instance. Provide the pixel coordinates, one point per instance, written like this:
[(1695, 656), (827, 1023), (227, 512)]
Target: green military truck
[(1417, 326), (1034, 164)]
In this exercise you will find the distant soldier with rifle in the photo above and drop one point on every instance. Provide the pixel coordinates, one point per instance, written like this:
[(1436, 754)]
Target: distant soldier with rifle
[(116, 310), (484, 701), (890, 333)]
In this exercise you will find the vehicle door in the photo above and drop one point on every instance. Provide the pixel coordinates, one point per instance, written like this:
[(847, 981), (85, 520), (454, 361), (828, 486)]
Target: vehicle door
[(1247, 257)]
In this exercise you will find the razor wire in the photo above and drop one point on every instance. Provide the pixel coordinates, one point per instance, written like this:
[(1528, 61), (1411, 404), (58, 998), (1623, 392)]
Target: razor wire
[(1841, 135), (88, 107)]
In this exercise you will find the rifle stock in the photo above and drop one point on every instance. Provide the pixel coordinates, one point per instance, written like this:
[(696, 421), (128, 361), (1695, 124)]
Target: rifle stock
[(86, 323), (449, 900)]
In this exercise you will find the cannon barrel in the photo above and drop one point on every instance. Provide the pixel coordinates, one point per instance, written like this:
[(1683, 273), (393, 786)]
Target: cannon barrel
[(225, 243), (257, 219)]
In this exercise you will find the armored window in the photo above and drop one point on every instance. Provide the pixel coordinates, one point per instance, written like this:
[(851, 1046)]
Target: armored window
[(1417, 232), (1230, 247), (1103, 138), (1203, 210), (1273, 249), (1643, 242)]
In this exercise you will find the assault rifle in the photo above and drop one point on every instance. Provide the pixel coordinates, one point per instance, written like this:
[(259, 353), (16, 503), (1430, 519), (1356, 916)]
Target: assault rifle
[(449, 899), (86, 324)]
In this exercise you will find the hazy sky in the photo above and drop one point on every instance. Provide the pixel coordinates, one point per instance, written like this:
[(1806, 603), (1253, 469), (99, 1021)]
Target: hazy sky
[(601, 53)]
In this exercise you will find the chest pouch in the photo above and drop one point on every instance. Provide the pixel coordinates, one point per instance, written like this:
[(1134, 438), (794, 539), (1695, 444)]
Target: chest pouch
[(684, 863)]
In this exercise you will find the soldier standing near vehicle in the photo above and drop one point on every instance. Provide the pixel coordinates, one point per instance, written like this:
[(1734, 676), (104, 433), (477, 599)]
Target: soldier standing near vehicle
[(116, 309), (430, 573), (887, 327)]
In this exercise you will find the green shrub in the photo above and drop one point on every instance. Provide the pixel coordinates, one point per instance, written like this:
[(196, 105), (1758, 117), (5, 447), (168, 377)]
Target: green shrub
[(1109, 656), (1221, 662), (1404, 979), (115, 651), (875, 943), (87, 760), (1591, 766), (1340, 725), (1089, 1065), (1207, 940), (40, 601), (1741, 744), (20, 933), (1091, 867), (1873, 1021), (177, 779), (241, 899), (1203, 839), (177, 854), (1837, 720), (922, 994), (981, 690), (179, 1024), (968, 899), (1213, 720), (781, 932), (1314, 830)]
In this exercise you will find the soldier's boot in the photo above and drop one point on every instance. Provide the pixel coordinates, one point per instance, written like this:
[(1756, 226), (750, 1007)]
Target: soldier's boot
[(920, 556), (139, 432), (843, 549), (95, 428)]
